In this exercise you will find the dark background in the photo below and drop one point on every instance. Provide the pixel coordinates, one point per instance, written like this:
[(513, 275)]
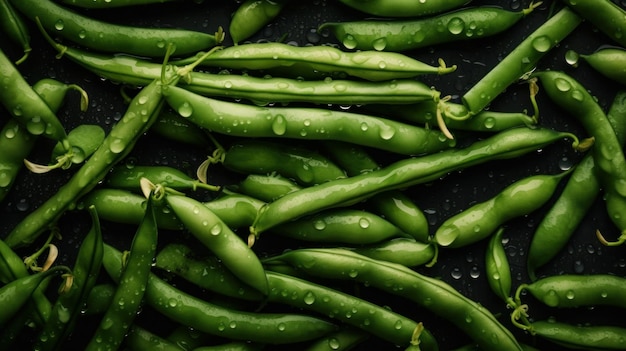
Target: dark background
[(462, 268)]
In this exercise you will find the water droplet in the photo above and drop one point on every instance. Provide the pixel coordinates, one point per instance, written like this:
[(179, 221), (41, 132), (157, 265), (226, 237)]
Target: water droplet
[(185, 110), (456, 273), (282, 326), (578, 95), (364, 223), (82, 34), (379, 44), (542, 43), (386, 132), (382, 64), (562, 84), (570, 294), (117, 145), (279, 125), (319, 224), (59, 24), (456, 25), (349, 42), (364, 126), (309, 298), (228, 84), (216, 229), (551, 298), (489, 122), (334, 344), (35, 126), (571, 57), (398, 325)]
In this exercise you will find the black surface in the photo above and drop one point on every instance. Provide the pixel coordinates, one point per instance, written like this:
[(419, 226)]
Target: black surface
[(462, 268)]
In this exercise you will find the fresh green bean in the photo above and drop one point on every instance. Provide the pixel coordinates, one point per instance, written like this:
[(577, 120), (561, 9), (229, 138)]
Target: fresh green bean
[(14, 27), (266, 188), (99, 298), (305, 123), (521, 60), (139, 338), (109, 37), (172, 126), (251, 16), (401, 174), (403, 8), (433, 294), (608, 61), (341, 340), (270, 328), (404, 251), (128, 177), (498, 269), (320, 60), (604, 15), (588, 337), (403, 35), (232, 346)]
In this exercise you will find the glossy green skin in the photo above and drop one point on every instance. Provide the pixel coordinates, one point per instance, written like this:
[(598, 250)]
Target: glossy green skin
[(16, 144), (99, 298), (52, 91), (305, 123), (497, 268), (212, 232), (109, 37), (16, 293), (69, 305), (342, 340), (305, 166), (139, 338), (266, 188), (610, 164), (271, 328), (395, 206), (610, 62), (179, 259), (131, 285), (401, 174), (580, 191), (425, 113), (25, 105), (172, 126), (482, 219), (124, 177), (593, 338), (404, 251), (251, 16), (567, 291), (104, 4), (318, 61), (604, 15), (403, 35), (14, 27), (403, 8), (342, 226), (430, 293), (346, 308), (140, 115), (528, 53)]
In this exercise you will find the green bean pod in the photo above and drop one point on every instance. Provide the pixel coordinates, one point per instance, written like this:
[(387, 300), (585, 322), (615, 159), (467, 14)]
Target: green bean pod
[(497, 268), (521, 60), (403, 35), (172, 126), (346, 308), (342, 340), (578, 195), (307, 167), (139, 338), (141, 113), (403, 8), (178, 259), (595, 337), (53, 92), (568, 290), (319, 61), (211, 231), (608, 61), (605, 15), (345, 226), (16, 143), (266, 188), (16, 293), (251, 16), (401, 174), (305, 123), (69, 305), (433, 294), (14, 27), (131, 284), (109, 37), (610, 164), (26, 106), (235, 210), (99, 298), (482, 219), (175, 304), (128, 177), (404, 251)]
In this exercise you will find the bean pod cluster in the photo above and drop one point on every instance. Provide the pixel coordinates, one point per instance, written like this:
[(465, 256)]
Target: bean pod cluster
[(326, 175)]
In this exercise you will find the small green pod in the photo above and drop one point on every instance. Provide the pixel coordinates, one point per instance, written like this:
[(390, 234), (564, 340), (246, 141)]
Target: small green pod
[(305, 166), (128, 177), (588, 337), (608, 61), (53, 92), (403, 8), (482, 219), (497, 268), (569, 290), (403, 35), (251, 16), (345, 225), (404, 251), (211, 231), (84, 140), (266, 188), (14, 27), (235, 210), (605, 15)]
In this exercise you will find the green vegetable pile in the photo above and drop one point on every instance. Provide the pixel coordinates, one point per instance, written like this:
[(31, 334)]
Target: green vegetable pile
[(335, 175)]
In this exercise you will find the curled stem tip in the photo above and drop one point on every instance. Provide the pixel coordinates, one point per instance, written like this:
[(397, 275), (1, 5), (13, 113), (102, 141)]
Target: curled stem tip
[(24, 57), (68, 281), (433, 261), (521, 313), (443, 68), (440, 121), (620, 240), (84, 97), (533, 5)]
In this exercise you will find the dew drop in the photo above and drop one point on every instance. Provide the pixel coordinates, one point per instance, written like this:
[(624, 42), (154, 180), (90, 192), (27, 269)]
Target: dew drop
[(319, 224), (386, 133), (364, 223), (349, 42), (334, 344), (571, 57), (397, 325), (562, 84), (570, 295), (59, 24), (279, 125), (282, 326), (309, 298), (117, 145), (382, 64), (456, 25), (578, 95), (82, 34), (185, 110), (216, 229), (489, 122), (379, 44), (541, 43), (364, 126)]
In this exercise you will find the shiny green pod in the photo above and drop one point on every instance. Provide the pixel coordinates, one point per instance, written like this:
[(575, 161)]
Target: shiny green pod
[(251, 16), (608, 61), (605, 15), (403, 8)]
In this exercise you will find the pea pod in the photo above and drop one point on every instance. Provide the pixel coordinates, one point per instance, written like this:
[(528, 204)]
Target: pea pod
[(404, 8), (68, 307), (604, 15), (172, 126), (129, 178), (270, 328), (251, 16), (318, 60), (593, 337), (131, 286), (404, 251), (430, 293), (482, 219), (139, 338), (528, 53), (401, 174), (341, 340), (403, 35), (211, 231), (608, 61), (14, 27), (305, 123), (497, 269), (266, 188)]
